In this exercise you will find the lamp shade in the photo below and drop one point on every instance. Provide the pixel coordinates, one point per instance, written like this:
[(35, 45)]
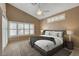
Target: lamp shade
[(69, 32)]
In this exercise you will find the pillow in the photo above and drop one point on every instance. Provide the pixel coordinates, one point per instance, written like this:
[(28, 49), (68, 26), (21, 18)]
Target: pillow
[(54, 33), (59, 34), (47, 33)]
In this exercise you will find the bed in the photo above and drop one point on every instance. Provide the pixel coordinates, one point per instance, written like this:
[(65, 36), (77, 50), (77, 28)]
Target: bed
[(49, 43)]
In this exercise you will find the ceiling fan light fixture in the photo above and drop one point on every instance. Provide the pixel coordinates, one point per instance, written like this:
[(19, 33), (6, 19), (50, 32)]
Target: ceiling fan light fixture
[(39, 12)]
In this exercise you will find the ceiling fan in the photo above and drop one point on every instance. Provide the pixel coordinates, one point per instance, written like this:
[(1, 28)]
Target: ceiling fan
[(40, 11)]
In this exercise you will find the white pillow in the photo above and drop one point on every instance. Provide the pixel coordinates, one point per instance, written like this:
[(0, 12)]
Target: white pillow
[(59, 34), (54, 33), (47, 32)]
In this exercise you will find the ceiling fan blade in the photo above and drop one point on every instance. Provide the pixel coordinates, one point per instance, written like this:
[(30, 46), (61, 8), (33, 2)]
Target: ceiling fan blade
[(46, 11), (34, 4)]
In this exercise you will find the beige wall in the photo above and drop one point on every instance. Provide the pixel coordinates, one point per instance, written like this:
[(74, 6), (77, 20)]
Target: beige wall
[(15, 14), (71, 23), (0, 32)]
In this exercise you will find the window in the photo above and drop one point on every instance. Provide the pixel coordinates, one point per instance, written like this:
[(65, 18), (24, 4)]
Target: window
[(18, 28), (49, 20), (27, 30), (12, 29), (13, 32), (56, 18), (31, 28)]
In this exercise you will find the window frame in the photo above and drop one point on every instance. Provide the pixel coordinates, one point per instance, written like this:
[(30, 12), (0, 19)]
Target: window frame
[(17, 28), (12, 29)]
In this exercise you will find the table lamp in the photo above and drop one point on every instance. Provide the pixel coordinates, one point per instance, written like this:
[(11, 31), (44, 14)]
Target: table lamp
[(69, 33)]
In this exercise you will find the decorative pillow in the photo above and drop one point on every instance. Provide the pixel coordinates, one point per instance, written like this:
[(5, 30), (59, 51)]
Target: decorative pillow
[(59, 34), (47, 33), (54, 33)]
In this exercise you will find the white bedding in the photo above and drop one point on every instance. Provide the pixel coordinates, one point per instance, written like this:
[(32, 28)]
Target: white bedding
[(48, 45), (58, 41)]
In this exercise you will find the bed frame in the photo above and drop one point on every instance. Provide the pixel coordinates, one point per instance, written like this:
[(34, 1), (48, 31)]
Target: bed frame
[(43, 52)]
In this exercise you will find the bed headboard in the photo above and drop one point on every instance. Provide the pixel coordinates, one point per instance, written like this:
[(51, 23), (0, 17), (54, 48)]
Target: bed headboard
[(50, 32)]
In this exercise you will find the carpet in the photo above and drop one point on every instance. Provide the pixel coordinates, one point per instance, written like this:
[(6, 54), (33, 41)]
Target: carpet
[(23, 48), (63, 52)]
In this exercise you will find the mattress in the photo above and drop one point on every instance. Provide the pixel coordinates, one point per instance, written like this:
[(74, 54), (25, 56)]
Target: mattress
[(48, 45)]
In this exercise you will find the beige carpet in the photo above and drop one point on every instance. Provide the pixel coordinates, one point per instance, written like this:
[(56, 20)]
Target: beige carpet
[(23, 48), (75, 52), (20, 49)]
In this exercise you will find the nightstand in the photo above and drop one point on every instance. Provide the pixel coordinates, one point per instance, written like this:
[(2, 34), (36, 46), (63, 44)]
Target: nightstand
[(69, 45)]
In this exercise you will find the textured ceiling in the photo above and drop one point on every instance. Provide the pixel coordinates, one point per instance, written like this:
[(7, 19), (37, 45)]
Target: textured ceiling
[(50, 8)]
